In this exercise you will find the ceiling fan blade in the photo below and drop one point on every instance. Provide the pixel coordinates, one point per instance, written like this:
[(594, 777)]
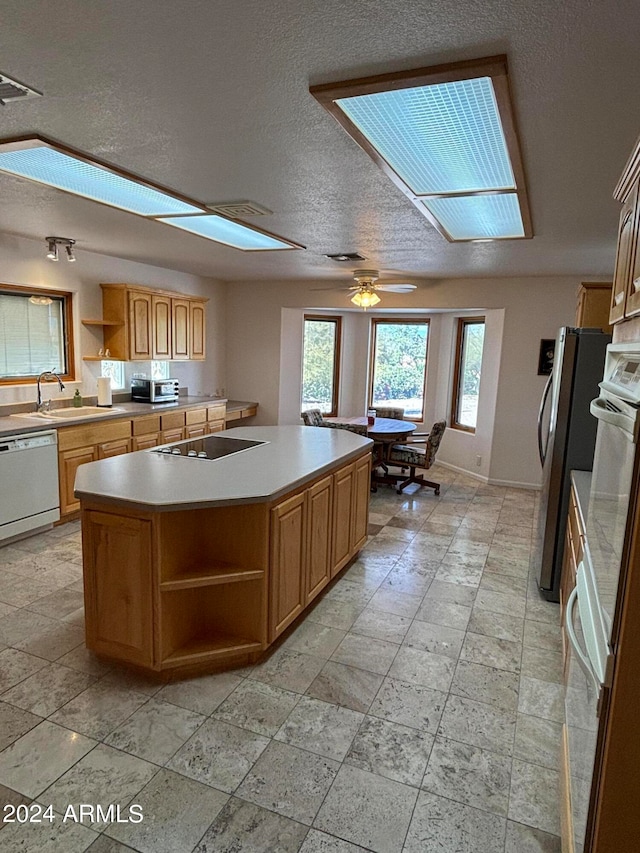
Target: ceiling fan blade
[(334, 289), (396, 288)]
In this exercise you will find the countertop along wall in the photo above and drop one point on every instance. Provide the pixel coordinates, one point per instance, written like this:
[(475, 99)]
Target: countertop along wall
[(533, 308), (23, 262)]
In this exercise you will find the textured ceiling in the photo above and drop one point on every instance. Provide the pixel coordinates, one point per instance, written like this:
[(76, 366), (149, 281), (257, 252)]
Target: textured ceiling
[(210, 98)]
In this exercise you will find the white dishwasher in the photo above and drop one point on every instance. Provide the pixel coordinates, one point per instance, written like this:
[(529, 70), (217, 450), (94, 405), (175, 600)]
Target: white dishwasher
[(29, 496)]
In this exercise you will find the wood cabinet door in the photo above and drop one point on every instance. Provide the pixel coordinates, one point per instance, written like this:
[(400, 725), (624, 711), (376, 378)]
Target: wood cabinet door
[(114, 448), (118, 583), (287, 563), (139, 326), (624, 257), (216, 426), (343, 487), (633, 280), (68, 463), (195, 431), (180, 329), (144, 442), (197, 346), (161, 327), (362, 491), (318, 537), (169, 436)]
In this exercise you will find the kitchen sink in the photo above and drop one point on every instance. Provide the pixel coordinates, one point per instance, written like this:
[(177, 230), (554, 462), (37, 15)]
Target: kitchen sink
[(70, 413)]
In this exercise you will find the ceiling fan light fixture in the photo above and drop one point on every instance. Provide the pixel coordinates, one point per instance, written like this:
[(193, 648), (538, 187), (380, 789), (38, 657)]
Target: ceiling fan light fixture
[(365, 298)]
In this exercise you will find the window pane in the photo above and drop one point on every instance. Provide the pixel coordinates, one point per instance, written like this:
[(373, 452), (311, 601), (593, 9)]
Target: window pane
[(160, 370), (31, 335), (319, 374), (115, 370), (399, 363), (469, 376)]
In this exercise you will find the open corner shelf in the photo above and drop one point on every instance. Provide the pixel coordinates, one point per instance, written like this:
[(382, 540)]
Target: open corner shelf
[(219, 573), (102, 323)]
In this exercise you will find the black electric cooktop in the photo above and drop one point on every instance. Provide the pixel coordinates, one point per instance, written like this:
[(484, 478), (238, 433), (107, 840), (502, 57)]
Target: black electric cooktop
[(207, 448)]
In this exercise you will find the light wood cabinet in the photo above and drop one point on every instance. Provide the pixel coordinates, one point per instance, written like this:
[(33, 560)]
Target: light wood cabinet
[(288, 562), (343, 490), (140, 326), (144, 323), (319, 529), (161, 327), (216, 417), (68, 463), (118, 605), (100, 440), (180, 313), (197, 343), (145, 432), (592, 310), (625, 297), (86, 443), (214, 586)]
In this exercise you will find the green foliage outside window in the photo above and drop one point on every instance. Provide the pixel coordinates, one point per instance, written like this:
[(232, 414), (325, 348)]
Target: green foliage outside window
[(400, 360), (318, 365)]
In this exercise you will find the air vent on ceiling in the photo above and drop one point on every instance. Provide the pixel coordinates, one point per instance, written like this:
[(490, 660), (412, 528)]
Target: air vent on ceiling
[(239, 209), (12, 90), (346, 256)]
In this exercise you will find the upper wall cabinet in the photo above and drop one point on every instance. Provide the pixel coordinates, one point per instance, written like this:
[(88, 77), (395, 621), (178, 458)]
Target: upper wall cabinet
[(140, 324), (625, 295)]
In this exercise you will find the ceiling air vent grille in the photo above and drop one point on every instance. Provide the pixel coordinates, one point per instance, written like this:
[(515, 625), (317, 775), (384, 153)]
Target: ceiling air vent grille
[(239, 209), (344, 257), (12, 90)]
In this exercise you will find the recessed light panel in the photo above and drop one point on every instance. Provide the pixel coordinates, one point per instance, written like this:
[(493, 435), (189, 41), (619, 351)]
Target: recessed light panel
[(446, 133), (55, 165), (46, 165), (230, 233), (440, 139), (478, 217)]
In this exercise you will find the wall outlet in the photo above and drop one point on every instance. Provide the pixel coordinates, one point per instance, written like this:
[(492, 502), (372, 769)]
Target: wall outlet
[(478, 461)]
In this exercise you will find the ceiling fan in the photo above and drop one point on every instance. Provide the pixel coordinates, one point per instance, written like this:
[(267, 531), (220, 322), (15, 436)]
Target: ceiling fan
[(367, 283)]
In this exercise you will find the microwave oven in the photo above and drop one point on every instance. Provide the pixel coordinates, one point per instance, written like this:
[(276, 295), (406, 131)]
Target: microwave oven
[(155, 390)]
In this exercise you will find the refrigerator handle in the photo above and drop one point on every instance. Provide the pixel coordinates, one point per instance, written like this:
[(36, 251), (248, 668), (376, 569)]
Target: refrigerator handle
[(542, 451), (581, 657)]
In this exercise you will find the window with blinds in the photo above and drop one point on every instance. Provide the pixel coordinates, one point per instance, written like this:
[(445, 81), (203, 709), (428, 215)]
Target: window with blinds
[(34, 333)]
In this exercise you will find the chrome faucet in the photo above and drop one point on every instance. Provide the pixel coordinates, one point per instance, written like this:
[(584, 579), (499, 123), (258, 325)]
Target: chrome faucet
[(48, 376)]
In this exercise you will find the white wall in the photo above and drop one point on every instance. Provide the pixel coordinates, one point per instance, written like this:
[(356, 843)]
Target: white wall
[(24, 262), (526, 310)]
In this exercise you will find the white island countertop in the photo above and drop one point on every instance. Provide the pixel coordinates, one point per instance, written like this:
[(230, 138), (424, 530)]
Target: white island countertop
[(158, 482)]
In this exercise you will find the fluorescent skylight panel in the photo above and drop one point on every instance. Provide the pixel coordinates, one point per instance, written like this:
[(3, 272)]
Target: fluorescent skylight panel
[(230, 233), (57, 169), (439, 138), (479, 217)]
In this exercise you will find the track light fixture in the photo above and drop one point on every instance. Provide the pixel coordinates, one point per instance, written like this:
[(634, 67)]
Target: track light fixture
[(54, 242)]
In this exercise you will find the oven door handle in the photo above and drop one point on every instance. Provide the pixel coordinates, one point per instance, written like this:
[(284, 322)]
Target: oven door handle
[(581, 656), (600, 410)]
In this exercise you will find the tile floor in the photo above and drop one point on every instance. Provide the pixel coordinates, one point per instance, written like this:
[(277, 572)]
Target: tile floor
[(417, 708)]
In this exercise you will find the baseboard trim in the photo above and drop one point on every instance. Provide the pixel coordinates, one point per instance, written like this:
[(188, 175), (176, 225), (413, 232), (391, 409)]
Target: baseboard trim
[(473, 474), (491, 481)]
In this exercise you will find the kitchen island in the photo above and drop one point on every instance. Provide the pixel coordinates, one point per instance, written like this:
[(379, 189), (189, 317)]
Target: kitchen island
[(194, 563)]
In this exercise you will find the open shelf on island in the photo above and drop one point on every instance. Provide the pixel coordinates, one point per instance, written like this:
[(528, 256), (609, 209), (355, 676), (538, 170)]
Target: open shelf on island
[(203, 547), (209, 647), (201, 622), (207, 575), (101, 323)]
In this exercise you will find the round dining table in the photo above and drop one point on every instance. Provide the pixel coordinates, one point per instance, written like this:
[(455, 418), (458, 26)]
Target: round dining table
[(385, 432)]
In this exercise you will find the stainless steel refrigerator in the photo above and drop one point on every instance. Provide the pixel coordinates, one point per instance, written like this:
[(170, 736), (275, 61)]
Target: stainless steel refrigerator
[(566, 441)]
